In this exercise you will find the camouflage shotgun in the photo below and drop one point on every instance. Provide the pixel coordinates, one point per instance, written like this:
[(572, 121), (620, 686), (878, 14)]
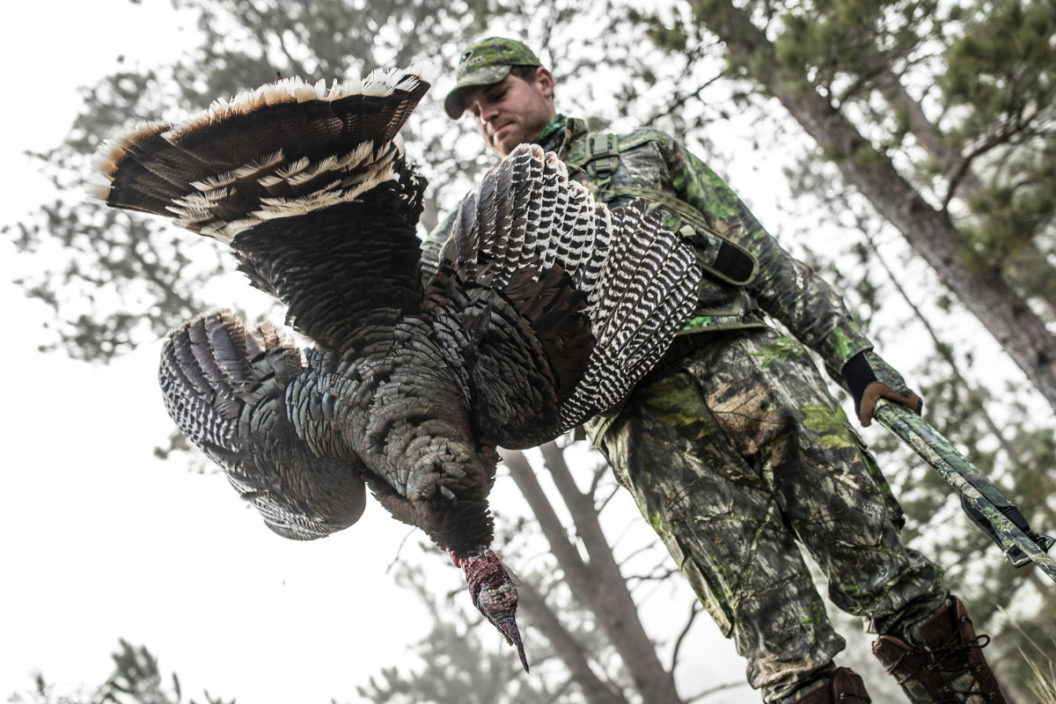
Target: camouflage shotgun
[(982, 501)]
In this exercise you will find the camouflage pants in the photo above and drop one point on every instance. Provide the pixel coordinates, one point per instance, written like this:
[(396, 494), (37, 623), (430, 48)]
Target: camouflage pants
[(734, 457)]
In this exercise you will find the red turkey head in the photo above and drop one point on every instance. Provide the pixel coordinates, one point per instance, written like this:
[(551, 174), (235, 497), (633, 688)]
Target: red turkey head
[(493, 594)]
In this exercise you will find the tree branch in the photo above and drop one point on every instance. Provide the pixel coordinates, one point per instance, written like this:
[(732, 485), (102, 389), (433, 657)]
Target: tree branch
[(612, 603), (575, 569), (1016, 327), (599, 585), (571, 653), (694, 611)]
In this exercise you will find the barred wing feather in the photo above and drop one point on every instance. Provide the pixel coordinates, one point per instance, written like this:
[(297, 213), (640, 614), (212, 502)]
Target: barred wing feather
[(225, 387), (638, 281)]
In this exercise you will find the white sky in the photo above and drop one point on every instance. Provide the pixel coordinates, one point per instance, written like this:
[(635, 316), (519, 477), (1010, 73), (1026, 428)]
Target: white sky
[(102, 541), (99, 539)]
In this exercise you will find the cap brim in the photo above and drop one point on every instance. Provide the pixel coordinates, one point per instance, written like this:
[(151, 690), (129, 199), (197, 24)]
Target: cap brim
[(455, 102)]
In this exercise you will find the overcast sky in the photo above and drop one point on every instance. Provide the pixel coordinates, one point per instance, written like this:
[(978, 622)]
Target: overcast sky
[(102, 541)]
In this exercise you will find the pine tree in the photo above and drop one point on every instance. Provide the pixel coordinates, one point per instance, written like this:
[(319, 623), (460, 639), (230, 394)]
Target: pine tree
[(136, 679), (822, 65), (924, 118)]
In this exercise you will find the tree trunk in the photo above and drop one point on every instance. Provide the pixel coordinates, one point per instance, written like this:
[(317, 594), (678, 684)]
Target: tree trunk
[(595, 691), (597, 584), (929, 232), (1029, 271)]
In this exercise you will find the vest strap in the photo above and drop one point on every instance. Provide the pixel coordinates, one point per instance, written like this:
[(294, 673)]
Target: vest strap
[(717, 255)]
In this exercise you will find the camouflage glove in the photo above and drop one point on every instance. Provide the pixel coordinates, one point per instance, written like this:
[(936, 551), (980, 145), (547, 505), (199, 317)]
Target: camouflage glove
[(861, 376)]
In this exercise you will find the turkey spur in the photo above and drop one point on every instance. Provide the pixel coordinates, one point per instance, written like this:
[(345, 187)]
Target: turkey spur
[(545, 310)]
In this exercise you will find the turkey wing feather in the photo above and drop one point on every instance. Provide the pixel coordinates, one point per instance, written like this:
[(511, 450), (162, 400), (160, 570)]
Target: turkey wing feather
[(225, 388)]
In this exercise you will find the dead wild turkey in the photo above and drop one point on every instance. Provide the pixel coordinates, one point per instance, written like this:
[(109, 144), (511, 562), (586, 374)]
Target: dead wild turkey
[(548, 310)]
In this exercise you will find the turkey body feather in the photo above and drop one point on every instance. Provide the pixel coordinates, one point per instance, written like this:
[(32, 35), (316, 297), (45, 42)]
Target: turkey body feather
[(548, 310)]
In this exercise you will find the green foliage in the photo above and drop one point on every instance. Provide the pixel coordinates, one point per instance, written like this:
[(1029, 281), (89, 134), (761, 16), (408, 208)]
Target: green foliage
[(673, 37), (843, 46), (1001, 66), (1000, 85), (959, 97)]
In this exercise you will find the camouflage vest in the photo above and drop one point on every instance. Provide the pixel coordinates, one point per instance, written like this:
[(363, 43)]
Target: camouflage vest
[(623, 167)]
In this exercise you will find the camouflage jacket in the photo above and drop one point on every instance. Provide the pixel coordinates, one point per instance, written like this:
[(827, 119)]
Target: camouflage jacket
[(653, 165)]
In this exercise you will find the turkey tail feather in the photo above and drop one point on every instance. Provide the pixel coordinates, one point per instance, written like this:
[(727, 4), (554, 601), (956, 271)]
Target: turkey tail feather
[(307, 186), (283, 148)]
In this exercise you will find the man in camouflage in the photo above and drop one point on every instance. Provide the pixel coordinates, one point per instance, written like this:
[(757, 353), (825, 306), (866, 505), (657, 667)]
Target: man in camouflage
[(732, 447)]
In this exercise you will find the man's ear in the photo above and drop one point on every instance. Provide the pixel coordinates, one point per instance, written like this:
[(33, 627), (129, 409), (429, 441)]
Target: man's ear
[(544, 81)]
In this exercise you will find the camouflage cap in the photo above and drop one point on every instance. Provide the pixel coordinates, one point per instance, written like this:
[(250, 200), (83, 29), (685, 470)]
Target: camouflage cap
[(485, 63)]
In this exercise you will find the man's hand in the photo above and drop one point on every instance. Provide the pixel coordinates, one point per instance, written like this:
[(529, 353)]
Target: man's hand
[(866, 389), (878, 390)]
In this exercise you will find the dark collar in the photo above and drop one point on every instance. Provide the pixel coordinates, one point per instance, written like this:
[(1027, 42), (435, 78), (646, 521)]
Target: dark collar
[(558, 135)]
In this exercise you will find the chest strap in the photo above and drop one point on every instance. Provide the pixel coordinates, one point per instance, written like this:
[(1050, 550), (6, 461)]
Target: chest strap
[(716, 254)]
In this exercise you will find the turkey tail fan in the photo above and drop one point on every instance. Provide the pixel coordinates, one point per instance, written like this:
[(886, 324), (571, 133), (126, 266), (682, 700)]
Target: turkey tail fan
[(307, 186), (225, 387), (282, 149), (639, 278)]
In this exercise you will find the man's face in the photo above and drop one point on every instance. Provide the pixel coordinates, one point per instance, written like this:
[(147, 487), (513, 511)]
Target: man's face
[(512, 111)]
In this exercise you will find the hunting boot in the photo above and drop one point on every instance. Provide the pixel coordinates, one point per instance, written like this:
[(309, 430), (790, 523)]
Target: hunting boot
[(945, 665), (846, 687)]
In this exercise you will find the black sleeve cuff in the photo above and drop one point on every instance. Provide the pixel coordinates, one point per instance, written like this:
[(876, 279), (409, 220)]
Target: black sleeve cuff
[(858, 374)]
